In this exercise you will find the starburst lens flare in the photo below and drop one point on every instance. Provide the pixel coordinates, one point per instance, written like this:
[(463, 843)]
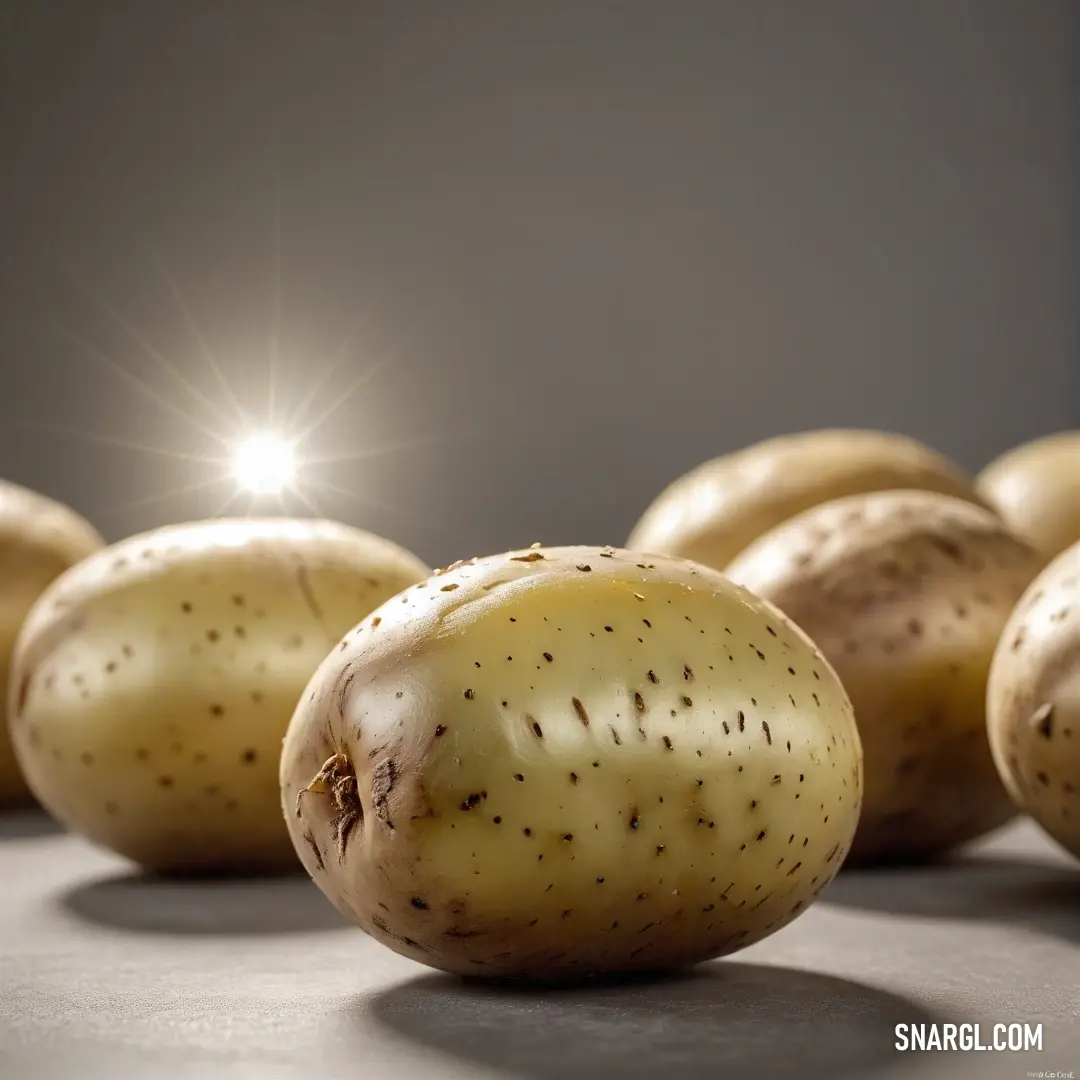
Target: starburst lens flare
[(256, 451), (264, 463)]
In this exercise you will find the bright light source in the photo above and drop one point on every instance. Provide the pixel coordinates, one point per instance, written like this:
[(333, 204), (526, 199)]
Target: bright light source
[(264, 463)]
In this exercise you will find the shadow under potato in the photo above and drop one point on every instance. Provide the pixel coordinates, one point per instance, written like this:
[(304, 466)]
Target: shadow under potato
[(1036, 895), (734, 1020), (147, 903), (27, 824)]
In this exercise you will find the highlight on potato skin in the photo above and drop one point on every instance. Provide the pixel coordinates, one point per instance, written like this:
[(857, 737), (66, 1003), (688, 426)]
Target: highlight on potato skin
[(718, 509), (40, 538), (1035, 487), (906, 593), (152, 683), (1033, 701), (561, 762)]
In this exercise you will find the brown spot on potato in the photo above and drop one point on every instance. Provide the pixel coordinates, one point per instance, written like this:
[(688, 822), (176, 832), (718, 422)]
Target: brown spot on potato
[(1042, 720), (312, 843), (23, 693), (303, 581), (383, 779)]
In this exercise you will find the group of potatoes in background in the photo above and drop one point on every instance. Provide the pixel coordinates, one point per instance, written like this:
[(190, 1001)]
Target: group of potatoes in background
[(829, 648)]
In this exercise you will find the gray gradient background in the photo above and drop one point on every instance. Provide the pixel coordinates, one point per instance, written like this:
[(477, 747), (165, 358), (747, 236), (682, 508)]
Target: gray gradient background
[(597, 243)]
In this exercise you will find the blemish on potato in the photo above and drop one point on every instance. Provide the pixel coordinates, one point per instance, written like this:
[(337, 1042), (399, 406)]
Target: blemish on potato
[(1042, 720)]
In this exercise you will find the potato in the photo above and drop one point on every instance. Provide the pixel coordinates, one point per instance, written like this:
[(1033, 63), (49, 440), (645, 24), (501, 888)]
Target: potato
[(153, 682), (39, 539), (718, 509), (1036, 489), (1033, 701), (906, 593), (566, 761)]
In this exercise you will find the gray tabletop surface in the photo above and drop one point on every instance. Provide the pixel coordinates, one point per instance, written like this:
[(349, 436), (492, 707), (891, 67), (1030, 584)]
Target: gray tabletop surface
[(106, 974)]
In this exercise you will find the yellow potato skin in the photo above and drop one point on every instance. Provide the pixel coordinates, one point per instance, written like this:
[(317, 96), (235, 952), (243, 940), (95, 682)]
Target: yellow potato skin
[(1036, 489), (906, 593), (153, 682), (717, 510), (567, 761), (1033, 701), (39, 539)]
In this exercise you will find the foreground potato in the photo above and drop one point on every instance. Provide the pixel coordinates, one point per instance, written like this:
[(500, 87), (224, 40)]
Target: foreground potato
[(39, 540), (718, 509), (1036, 489), (1033, 701), (152, 684), (566, 761), (906, 593)]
